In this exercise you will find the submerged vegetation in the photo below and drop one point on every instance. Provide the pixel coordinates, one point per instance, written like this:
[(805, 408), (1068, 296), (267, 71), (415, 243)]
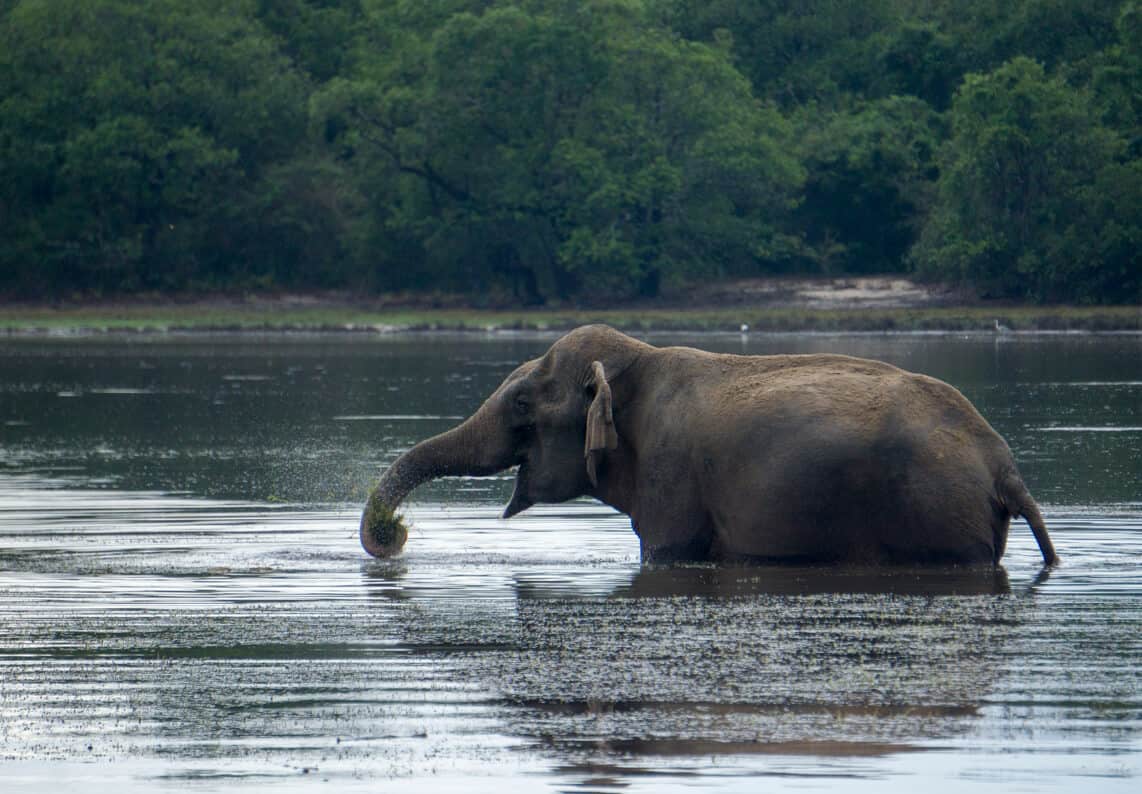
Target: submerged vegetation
[(568, 151), (387, 530)]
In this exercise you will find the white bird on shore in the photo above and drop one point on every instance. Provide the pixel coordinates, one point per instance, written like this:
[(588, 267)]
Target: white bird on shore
[(745, 328), (1000, 328)]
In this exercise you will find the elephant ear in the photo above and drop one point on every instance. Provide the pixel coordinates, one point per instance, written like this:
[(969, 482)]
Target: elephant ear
[(601, 434)]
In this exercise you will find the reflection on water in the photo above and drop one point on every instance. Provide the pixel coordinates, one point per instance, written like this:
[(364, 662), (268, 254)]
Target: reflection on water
[(182, 593), (719, 582)]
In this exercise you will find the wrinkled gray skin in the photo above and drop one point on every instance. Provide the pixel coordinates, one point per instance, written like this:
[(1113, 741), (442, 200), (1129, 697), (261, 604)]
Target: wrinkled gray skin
[(816, 458)]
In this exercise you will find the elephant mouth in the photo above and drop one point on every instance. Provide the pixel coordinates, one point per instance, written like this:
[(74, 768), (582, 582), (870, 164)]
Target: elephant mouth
[(519, 501)]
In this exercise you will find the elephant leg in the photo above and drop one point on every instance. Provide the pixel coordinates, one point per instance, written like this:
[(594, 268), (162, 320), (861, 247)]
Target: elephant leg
[(669, 534), (696, 549)]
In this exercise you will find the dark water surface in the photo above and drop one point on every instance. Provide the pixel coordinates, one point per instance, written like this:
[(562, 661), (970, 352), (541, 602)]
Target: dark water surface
[(184, 604)]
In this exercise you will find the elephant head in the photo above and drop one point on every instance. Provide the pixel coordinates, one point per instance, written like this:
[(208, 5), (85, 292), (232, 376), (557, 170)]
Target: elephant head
[(553, 417)]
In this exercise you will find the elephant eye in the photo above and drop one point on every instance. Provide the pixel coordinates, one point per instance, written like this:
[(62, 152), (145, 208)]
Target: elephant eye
[(521, 406)]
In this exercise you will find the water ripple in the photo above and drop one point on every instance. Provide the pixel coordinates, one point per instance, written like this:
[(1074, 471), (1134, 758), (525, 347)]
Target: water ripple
[(226, 639)]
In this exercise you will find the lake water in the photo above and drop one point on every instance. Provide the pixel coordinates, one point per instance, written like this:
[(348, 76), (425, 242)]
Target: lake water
[(184, 604)]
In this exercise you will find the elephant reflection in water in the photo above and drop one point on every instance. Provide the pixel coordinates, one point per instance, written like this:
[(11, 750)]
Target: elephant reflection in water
[(700, 660), (727, 458)]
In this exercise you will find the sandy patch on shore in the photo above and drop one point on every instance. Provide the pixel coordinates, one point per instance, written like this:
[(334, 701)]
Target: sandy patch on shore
[(864, 292)]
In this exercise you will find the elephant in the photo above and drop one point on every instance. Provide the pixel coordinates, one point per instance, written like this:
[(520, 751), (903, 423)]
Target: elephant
[(798, 459)]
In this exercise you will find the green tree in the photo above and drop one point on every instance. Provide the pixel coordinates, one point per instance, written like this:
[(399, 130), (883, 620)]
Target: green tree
[(1116, 79), (792, 52), (871, 173), (316, 34), (1034, 198), (133, 138), (913, 57), (561, 149), (679, 173)]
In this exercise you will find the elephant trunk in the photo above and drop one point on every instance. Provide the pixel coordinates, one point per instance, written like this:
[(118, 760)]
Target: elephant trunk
[(465, 450)]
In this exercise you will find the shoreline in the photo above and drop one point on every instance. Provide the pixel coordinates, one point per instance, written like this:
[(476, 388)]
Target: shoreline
[(862, 304), (330, 318)]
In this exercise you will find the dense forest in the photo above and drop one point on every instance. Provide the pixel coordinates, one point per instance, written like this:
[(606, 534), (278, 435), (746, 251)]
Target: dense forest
[(556, 151)]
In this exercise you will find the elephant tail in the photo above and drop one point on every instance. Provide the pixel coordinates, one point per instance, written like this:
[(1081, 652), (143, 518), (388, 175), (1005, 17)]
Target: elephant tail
[(1019, 502)]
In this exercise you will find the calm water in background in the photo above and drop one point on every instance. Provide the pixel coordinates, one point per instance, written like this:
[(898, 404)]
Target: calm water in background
[(183, 602)]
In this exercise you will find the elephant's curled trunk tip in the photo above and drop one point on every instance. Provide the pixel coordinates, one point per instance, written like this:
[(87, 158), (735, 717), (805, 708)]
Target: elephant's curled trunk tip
[(383, 532)]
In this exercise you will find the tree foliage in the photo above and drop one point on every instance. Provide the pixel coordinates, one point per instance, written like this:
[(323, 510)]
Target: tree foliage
[(563, 148), (870, 177), (134, 138), (567, 150), (1035, 199)]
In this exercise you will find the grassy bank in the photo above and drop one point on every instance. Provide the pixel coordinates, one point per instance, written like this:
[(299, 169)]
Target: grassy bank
[(263, 316)]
